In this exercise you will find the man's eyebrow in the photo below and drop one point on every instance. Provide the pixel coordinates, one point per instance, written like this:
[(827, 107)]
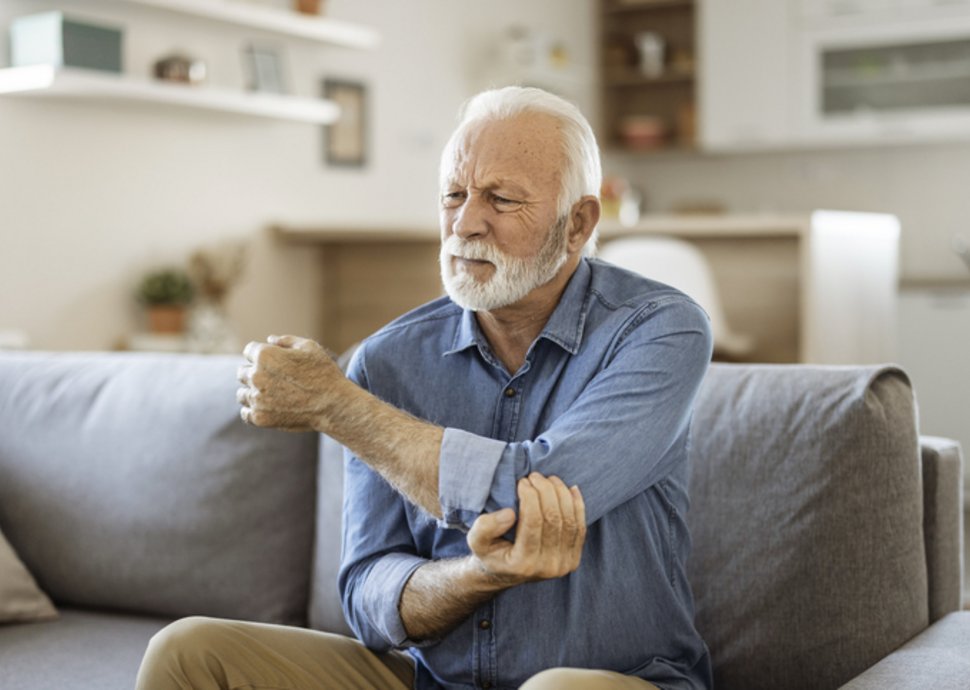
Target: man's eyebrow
[(510, 185)]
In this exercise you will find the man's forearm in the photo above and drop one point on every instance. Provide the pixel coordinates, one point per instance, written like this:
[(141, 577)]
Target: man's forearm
[(442, 594), (401, 448)]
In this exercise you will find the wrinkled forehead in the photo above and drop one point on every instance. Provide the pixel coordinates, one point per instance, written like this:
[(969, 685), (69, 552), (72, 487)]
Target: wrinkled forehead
[(529, 144)]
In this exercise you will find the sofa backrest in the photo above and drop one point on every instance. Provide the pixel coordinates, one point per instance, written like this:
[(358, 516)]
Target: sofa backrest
[(128, 481), (808, 561)]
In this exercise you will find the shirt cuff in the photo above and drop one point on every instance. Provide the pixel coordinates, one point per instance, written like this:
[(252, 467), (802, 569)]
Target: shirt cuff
[(466, 472), (385, 584)]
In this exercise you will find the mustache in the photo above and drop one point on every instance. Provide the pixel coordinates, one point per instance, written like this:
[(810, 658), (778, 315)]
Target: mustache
[(463, 249)]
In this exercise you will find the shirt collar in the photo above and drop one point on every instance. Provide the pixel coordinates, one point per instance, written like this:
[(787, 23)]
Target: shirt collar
[(564, 327)]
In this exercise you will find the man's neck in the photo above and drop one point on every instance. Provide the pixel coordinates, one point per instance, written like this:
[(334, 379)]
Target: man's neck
[(511, 330)]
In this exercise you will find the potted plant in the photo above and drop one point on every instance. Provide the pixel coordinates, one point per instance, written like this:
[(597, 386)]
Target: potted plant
[(166, 293)]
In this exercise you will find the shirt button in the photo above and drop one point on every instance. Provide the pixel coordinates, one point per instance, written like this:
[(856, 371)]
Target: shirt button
[(509, 392), (485, 624)]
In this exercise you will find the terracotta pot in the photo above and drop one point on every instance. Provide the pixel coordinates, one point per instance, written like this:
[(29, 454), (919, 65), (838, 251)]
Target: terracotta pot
[(166, 318), (308, 6)]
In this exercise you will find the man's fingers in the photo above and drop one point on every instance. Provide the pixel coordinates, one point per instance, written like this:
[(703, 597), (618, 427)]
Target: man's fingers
[(552, 517), (489, 527), (252, 350), (244, 374), (570, 527), (293, 342), (242, 395), (528, 533), (579, 505)]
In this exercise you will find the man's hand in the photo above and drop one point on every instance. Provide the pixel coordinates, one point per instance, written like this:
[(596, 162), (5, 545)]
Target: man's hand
[(548, 543), (290, 383), (549, 536)]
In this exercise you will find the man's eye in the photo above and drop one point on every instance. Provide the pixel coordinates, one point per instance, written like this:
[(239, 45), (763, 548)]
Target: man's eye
[(452, 199), (504, 201)]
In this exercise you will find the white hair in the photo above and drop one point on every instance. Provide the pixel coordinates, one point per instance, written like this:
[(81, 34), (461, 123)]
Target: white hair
[(583, 173)]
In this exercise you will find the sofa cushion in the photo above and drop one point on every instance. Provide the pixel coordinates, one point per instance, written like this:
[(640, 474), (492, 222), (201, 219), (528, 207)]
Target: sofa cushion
[(20, 598), (81, 651), (806, 514), (128, 481), (937, 658), (326, 612)]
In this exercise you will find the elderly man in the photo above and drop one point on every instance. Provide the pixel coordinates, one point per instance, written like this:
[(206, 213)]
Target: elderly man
[(516, 452)]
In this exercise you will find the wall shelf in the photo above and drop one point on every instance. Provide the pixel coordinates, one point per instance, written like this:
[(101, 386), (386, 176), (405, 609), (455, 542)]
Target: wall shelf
[(628, 95), (46, 81), (290, 24)]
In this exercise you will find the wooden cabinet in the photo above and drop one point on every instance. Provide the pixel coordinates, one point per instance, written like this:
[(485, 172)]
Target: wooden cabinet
[(648, 63)]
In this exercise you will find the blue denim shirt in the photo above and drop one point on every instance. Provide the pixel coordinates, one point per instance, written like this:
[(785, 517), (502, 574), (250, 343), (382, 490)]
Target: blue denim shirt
[(603, 401)]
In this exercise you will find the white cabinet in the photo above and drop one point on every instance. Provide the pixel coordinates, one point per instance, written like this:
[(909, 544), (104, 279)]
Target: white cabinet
[(809, 73), (901, 79), (744, 85)]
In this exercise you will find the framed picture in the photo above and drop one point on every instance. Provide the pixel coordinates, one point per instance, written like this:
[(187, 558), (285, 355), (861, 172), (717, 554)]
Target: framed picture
[(345, 141), (264, 69)]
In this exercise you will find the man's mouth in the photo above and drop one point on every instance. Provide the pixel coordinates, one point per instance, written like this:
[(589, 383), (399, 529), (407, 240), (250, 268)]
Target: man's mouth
[(471, 262)]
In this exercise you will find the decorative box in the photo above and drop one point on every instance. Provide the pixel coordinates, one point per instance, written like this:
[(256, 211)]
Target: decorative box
[(51, 38)]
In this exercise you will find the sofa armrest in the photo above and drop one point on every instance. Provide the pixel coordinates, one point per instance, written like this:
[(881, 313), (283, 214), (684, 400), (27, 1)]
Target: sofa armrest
[(938, 658), (942, 523)]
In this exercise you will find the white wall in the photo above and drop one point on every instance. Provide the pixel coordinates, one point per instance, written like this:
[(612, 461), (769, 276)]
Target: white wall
[(93, 195)]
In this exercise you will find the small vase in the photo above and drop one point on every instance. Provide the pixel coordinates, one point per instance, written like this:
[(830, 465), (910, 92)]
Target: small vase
[(210, 331), (166, 318)]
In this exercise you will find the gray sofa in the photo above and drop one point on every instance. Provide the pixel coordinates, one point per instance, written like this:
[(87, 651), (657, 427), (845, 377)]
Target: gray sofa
[(826, 546)]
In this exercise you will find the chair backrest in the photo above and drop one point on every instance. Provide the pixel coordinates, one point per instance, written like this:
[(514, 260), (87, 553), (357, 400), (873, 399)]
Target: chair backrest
[(679, 264), (808, 563)]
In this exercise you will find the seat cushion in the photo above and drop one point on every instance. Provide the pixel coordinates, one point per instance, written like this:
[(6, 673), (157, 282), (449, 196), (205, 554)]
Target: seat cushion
[(937, 658), (128, 481), (80, 651), (806, 513)]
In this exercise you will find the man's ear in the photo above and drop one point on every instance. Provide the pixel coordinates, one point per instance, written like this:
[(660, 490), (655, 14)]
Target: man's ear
[(585, 214)]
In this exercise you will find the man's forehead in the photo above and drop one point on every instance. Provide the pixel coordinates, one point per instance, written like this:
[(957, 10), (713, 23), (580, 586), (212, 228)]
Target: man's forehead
[(525, 144)]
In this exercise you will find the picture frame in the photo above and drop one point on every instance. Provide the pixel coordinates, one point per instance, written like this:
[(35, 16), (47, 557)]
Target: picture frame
[(264, 69), (345, 141)]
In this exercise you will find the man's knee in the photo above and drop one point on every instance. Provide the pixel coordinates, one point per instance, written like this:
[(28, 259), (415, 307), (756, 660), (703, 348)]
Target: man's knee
[(552, 679), (583, 679), (174, 650), (192, 633)]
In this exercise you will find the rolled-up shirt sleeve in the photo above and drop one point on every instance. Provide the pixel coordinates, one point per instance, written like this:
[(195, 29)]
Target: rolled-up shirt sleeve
[(615, 439), (466, 476), (378, 559)]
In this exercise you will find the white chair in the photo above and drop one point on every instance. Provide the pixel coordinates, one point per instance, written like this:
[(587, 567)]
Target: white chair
[(681, 265)]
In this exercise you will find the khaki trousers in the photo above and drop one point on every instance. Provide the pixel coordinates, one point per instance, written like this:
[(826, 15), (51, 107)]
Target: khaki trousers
[(210, 654)]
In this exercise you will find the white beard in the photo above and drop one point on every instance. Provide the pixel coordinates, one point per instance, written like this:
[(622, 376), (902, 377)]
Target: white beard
[(513, 279)]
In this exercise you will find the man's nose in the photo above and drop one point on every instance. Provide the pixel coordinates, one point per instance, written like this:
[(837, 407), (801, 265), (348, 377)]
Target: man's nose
[(471, 219)]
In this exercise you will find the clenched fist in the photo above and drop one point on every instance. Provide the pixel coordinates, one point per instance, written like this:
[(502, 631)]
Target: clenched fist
[(289, 383)]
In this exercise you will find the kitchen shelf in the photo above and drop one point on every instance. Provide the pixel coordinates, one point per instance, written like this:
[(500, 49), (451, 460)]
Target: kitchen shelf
[(633, 79), (626, 92), (46, 81), (290, 24), (624, 7)]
